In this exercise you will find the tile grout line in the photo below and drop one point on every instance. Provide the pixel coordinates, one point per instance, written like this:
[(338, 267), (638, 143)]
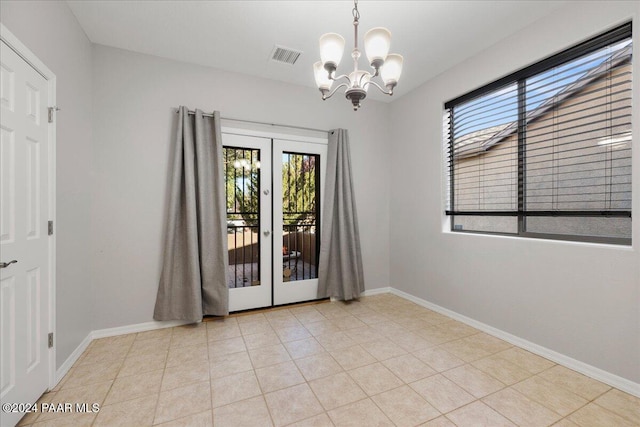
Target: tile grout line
[(593, 401), (164, 370), (387, 337), (207, 344)]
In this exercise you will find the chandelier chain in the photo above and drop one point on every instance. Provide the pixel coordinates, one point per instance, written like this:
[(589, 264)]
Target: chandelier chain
[(356, 13)]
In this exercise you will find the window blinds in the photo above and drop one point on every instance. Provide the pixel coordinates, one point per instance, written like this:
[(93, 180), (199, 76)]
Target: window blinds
[(549, 141)]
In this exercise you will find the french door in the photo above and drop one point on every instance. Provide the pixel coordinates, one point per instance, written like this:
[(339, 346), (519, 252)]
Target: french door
[(273, 193)]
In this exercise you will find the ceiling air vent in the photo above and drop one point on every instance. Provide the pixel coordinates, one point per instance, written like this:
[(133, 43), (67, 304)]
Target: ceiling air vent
[(285, 55)]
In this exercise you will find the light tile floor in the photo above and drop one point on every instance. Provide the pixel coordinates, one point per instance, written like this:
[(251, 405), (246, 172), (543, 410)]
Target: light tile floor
[(380, 361)]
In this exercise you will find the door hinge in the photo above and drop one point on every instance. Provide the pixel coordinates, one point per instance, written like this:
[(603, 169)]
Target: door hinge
[(51, 110), (50, 339), (50, 228)]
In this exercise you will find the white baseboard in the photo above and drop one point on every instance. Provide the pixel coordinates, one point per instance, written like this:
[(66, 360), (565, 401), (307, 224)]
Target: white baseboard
[(377, 291), (368, 293), (138, 327), (576, 365), (73, 358), (110, 332), (566, 361)]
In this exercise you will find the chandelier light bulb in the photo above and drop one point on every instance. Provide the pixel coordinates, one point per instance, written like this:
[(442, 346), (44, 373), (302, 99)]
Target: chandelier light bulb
[(391, 70), (331, 49), (321, 75), (377, 42)]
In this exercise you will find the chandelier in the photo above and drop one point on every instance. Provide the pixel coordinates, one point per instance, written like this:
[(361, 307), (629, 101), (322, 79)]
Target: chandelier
[(376, 45)]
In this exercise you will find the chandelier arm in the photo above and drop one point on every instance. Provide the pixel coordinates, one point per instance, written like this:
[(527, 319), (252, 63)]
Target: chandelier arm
[(362, 76), (335, 89), (340, 77), (386, 92)]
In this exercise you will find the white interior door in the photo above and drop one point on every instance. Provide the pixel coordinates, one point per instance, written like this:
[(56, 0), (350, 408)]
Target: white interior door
[(24, 244), (248, 194), (298, 180)]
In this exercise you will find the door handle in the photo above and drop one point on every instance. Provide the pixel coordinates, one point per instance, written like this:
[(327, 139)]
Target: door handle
[(266, 233), (7, 264)]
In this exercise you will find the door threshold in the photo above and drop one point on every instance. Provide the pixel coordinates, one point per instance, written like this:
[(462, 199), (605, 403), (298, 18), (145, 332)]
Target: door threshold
[(268, 309)]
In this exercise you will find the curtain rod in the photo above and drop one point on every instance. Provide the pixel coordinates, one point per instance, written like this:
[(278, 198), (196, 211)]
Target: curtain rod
[(259, 123)]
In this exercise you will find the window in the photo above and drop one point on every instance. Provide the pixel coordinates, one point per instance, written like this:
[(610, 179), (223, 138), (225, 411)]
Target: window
[(546, 151)]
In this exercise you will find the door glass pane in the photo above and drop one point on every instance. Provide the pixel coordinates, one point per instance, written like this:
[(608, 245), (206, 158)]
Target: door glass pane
[(300, 216), (242, 189)]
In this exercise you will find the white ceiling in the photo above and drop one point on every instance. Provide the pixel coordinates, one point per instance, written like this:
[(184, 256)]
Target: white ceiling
[(239, 36)]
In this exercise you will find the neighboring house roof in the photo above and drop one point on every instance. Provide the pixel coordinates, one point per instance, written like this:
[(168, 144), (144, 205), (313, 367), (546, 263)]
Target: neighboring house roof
[(474, 143), (480, 141)]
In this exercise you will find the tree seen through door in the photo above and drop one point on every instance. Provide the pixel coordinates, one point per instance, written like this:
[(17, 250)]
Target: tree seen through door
[(300, 208)]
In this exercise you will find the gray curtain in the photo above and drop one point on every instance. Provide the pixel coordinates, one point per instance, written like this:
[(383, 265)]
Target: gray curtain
[(340, 273), (194, 271)]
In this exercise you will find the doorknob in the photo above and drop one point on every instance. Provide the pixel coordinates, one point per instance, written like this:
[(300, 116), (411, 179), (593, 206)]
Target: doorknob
[(7, 264), (266, 192), (266, 233)]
